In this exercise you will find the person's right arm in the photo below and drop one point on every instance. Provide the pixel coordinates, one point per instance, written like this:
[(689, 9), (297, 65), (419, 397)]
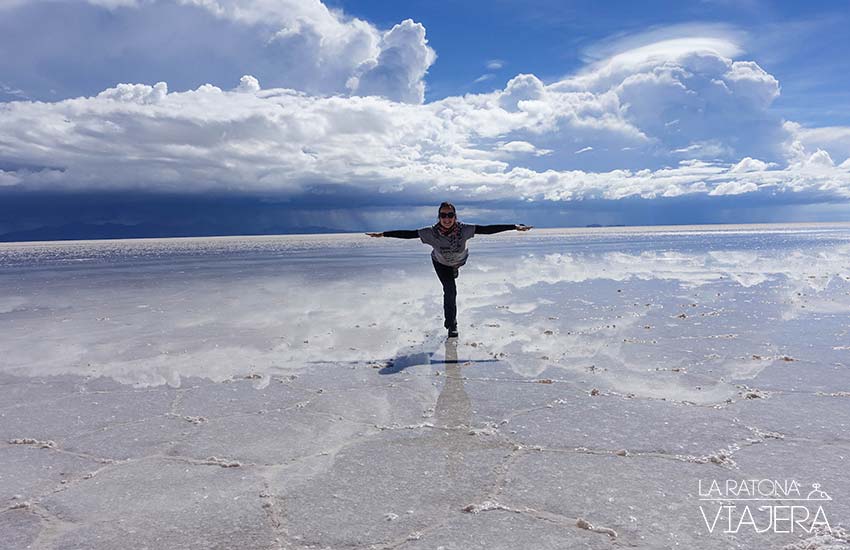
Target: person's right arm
[(398, 234)]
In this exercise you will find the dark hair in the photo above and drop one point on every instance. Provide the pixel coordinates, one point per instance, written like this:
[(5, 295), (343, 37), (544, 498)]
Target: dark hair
[(446, 205)]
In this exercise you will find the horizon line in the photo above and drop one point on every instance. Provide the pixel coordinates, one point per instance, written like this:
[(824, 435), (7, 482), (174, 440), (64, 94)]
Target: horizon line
[(589, 227)]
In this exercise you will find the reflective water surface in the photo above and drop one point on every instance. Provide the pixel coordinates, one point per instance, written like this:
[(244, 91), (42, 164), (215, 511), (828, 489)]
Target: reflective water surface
[(299, 392), (686, 313)]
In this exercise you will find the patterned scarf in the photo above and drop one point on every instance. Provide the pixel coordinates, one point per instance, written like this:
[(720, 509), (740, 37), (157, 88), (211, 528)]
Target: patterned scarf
[(453, 233)]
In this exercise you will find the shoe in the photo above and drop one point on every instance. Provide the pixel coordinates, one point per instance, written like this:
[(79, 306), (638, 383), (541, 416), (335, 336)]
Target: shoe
[(453, 332)]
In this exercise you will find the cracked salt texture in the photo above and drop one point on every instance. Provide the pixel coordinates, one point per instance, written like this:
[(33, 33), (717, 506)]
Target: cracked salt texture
[(29, 472), (178, 506), (34, 442), (582, 523), (223, 462), (822, 539), (599, 376), (503, 530)]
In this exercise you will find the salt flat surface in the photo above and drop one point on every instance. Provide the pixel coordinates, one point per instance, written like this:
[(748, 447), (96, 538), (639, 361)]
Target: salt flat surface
[(299, 392)]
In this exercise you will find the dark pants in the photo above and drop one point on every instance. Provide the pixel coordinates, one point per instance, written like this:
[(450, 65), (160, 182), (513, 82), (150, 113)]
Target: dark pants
[(447, 278)]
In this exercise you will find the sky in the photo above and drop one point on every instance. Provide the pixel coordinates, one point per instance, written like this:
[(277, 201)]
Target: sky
[(185, 117)]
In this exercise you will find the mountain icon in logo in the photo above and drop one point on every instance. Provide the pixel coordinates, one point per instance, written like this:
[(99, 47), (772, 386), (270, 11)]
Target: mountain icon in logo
[(817, 494)]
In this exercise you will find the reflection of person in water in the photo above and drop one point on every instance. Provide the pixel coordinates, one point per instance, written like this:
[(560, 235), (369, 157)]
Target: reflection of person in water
[(453, 413), (453, 408), (448, 238)]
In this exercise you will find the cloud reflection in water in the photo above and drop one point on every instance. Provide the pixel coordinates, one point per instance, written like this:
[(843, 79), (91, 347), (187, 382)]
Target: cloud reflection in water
[(653, 316)]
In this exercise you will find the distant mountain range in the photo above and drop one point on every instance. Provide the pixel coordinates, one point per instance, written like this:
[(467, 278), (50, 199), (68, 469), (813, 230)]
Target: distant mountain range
[(90, 231)]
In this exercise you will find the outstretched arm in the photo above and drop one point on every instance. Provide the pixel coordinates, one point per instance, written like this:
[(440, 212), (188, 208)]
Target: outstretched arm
[(490, 229), (398, 234)]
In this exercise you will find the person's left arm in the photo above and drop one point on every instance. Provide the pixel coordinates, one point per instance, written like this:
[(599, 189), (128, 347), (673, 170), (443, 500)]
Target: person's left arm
[(490, 229)]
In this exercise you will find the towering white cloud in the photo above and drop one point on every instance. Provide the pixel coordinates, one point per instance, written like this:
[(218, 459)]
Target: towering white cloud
[(140, 137), (524, 87), (667, 119), (834, 140), (248, 84), (397, 72), (136, 93), (298, 44)]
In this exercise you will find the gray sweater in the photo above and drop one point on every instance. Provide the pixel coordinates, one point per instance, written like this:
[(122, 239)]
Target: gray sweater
[(449, 250)]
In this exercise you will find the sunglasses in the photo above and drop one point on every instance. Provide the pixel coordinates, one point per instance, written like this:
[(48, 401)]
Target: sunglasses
[(447, 214)]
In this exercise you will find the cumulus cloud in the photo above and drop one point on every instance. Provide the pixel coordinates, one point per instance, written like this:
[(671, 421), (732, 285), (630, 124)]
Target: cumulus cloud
[(664, 120), (748, 81), (297, 44), (733, 188), (834, 140), (284, 141), (248, 84), (523, 147), (748, 164), (398, 70), (683, 88), (819, 158), (136, 93), (524, 87), (818, 162)]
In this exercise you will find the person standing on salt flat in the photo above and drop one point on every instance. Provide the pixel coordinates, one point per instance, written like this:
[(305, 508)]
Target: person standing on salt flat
[(448, 238)]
